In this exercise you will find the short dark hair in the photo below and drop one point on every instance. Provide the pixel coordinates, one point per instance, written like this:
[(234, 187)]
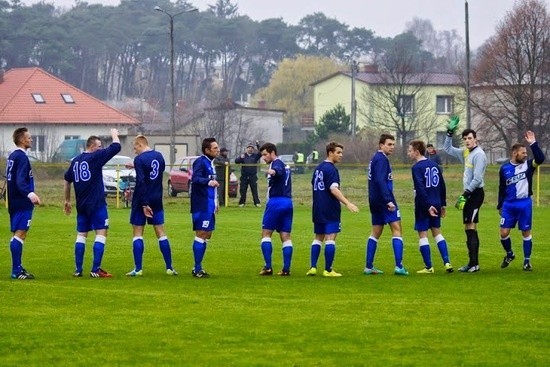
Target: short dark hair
[(385, 137), (269, 147), (207, 143), (18, 134), (331, 147), (91, 140), (429, 145), (466, 132), (418, 145), (516, 147)]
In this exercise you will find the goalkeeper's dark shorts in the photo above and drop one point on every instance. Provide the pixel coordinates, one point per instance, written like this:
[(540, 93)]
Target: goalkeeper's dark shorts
[(470, 213)]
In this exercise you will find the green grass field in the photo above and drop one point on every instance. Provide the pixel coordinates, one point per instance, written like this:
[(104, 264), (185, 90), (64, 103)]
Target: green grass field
[(236, 318)]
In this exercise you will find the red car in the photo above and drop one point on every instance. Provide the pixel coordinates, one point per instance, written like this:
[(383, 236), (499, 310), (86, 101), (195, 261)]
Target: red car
[(180, 178)]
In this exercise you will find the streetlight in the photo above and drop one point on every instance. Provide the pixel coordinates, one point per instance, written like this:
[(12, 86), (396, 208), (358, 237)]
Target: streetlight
[(468, 97), (172, 89)]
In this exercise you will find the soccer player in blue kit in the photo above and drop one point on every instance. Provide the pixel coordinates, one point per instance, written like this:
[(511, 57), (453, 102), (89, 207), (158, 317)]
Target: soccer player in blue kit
[(279, 209), (204, 202), (383, 206), (326, 209), (21, 199), (85, 173), (514, 198), (429, 205), (147, 204)]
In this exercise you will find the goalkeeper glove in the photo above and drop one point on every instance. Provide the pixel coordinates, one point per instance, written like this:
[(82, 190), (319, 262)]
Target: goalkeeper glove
[(452, 125), (460, 202)]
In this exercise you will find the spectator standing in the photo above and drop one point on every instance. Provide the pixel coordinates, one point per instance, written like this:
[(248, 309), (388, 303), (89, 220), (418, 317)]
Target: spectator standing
[(249, 173), (432, 155), (86, 174), (21, 199)]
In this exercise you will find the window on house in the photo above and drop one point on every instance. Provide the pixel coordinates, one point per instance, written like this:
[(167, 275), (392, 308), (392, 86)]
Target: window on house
[(38, 143), (38, 98), (67, 97), (444, 104), (71, 137), (405, 105)]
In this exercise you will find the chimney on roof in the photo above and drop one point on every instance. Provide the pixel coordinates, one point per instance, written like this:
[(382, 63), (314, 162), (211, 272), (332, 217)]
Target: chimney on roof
[(370, 68), (2, 76)]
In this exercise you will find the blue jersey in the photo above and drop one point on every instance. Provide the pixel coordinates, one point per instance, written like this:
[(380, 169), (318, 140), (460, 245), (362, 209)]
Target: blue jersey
[(279, 184), (516, 180), (429, 186), (203, 197), (86, 174), (20, 181), (380, 181), (149, 166), (326, 208)]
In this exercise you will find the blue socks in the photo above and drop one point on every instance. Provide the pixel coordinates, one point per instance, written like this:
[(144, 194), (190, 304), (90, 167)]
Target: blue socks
[(138, 249), (397, 244), (16, 247), (424, 247), (442, 246), (164, 246), (79, 249), (330, 250), (267, 251), (99, 248), (199, 248), (315, 252), (371, 251), (287, 255)]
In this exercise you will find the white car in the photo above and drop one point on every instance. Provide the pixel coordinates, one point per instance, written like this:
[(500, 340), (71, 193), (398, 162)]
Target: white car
[(125, 176)]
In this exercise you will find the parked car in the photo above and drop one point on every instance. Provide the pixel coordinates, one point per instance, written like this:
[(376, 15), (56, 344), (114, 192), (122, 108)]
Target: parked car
[(502, 160), (69, 149), (289, 161), (180, 178), (125, 176)]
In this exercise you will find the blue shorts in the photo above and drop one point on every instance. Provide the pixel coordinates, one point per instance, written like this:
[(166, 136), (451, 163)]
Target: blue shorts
[(21, 221), (278, 215), (385, 217), (423, 223), (517, 211), (98, 219), (137, 218), (327, 228), (204, 221)]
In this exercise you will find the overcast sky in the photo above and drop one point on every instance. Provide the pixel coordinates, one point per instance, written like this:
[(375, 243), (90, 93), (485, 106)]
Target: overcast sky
[(385, 17)]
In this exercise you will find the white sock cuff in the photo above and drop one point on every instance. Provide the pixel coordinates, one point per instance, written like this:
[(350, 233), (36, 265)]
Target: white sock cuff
[(397, 238), (373, 239), (266, 239), (423, 242), (199, 240), (504, 238), (162, 238), (287, 244), (439, 238), (528, 238), (100, 238), (80, 239), (18, 239), (330, 242), (137, 238), (316, 243)]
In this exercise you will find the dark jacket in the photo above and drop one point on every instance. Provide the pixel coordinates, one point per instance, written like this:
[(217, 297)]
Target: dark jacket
[(249, 162)]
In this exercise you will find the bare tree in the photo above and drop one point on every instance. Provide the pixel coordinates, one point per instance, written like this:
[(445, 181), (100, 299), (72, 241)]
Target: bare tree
[(512, 77)]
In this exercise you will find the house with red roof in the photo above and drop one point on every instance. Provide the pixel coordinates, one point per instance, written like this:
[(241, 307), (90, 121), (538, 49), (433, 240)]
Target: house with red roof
[(53, 111)]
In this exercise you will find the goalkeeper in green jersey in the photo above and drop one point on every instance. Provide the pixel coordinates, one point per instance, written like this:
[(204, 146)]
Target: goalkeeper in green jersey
[(475, 163)]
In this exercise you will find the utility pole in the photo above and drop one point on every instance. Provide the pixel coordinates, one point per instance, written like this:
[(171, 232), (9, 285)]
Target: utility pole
[(354, 71), (468, 103)]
